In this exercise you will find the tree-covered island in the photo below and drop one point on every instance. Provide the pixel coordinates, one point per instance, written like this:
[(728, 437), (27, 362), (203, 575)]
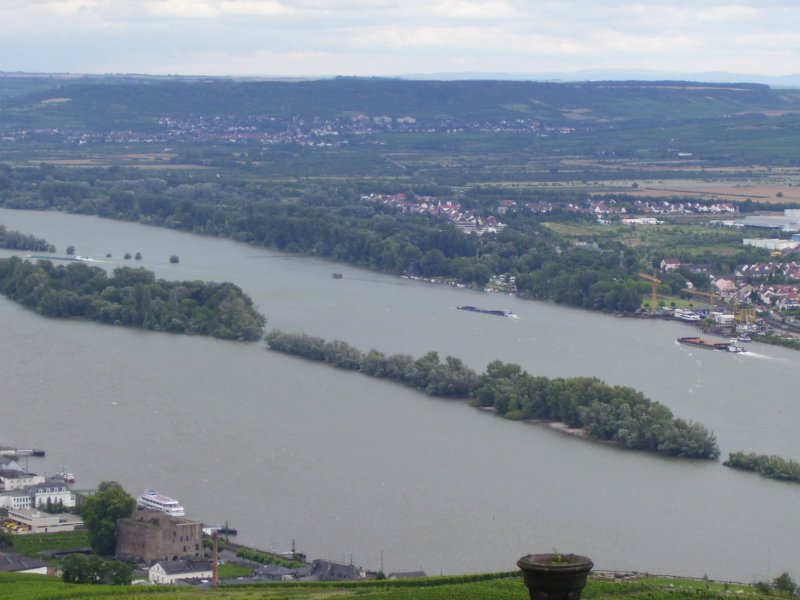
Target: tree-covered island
[(617, 414), (132, 297), (769, 466), (14, 240)]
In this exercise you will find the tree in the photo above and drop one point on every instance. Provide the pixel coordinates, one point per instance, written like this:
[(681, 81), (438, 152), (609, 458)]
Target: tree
[(100, 514), (174, 259), (79, 568), (70, 250), (785, 583), (75, 569)]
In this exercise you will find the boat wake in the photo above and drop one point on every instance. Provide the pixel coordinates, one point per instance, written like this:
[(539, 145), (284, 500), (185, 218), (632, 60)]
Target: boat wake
[(752, 354)]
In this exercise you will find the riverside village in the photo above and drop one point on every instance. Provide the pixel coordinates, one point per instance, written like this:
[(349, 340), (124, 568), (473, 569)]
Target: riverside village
[(158, 540)]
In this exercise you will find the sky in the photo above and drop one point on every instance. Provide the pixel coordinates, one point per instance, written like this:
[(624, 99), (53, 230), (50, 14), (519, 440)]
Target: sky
[(308, 38)]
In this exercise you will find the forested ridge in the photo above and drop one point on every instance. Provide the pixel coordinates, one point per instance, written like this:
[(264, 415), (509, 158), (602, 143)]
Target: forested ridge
[(131, 297), (612, 413), (105, 101)]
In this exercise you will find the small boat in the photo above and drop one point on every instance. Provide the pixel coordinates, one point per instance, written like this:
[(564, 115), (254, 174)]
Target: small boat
[(64, 476), (337, 275), (744, 338)]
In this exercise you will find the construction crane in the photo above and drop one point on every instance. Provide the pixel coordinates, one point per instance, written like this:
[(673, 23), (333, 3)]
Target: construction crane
[(654, 281)]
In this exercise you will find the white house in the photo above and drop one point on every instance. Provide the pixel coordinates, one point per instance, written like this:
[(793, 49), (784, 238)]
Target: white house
[(172, 571), (53, 493), (11, 479), (15, 499), (669, 265)]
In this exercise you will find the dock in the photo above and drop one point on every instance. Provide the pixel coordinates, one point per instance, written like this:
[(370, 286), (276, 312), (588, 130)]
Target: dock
[(6, 451)]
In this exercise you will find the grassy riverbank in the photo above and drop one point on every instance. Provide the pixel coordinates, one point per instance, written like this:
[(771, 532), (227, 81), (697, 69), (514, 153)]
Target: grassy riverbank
[(501, 586)]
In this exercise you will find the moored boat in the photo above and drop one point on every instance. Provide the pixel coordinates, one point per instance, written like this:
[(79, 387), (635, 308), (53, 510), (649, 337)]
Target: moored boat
[(152, 500), (686, 315), (64, 476)]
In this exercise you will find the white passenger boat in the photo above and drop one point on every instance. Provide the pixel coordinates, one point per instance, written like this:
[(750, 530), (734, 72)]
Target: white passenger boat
[(152, 500)]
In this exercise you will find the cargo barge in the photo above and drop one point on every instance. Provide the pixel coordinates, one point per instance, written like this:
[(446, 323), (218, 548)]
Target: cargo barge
[(496, 313), (711, 344)]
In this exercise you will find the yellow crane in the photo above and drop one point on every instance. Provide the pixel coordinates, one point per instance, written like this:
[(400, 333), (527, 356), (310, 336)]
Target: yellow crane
[(654, 281)]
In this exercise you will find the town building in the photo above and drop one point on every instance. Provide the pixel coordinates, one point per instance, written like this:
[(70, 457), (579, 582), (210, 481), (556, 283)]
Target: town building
[(323, 570), (16, 563), (274, 572), (150, 535), (170, 572), (50, 494), (770, 244), (35, 521), (789, 221), (15, 499), (407, 575), (668, 265), (14, 479)]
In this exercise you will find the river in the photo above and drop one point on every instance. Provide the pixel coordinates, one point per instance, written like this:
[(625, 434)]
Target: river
[(355, 469)]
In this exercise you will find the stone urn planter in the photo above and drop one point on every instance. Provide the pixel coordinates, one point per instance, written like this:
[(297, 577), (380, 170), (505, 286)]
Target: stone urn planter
[(555, 576)]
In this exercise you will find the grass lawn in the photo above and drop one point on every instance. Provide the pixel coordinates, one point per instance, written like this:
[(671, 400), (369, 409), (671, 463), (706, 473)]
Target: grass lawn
[(32, 544)]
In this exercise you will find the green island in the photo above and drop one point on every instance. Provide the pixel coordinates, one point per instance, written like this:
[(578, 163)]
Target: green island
[(14, 240), (603, 412), (770, 466), (131, 297)]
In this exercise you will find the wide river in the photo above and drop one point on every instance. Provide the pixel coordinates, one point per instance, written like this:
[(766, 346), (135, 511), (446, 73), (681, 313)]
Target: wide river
[(354, 468)]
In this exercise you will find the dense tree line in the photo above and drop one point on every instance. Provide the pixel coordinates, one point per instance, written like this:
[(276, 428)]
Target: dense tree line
[(14, 240), (131, 297), (329, 220), (612, 413), (310, 218), (771, 466)]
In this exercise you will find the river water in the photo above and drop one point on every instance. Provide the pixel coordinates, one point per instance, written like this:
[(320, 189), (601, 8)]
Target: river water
[(354, 468)]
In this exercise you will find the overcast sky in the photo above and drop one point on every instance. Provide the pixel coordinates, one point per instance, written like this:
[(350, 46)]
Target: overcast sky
[(392, 37)]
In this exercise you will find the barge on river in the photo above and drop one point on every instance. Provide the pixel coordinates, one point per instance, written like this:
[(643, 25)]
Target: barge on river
[(710, 344), (497, 313)]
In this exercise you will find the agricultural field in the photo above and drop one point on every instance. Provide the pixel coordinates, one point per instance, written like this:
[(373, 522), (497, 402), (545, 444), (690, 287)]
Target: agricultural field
[(496, 587)]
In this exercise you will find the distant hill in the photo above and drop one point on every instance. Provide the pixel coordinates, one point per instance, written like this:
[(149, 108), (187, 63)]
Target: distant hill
[(127, 101), (792, 80)]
